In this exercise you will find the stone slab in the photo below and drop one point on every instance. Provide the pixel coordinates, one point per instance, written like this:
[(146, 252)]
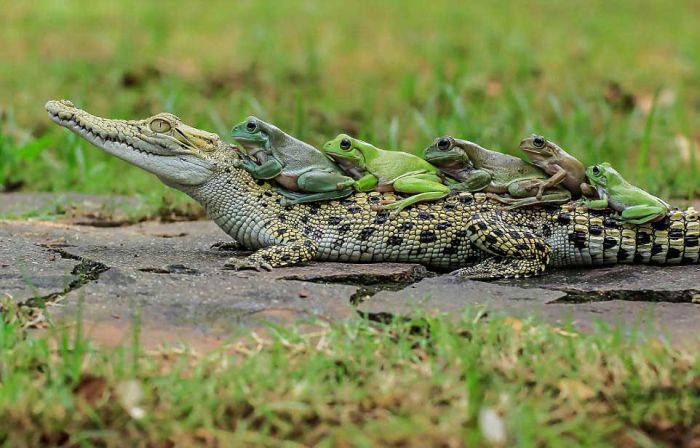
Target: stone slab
[(623, 282), (169, 278)]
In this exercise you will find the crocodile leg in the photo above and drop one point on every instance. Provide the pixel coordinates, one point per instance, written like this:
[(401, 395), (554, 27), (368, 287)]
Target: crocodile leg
[(517, 252), (293, 249)]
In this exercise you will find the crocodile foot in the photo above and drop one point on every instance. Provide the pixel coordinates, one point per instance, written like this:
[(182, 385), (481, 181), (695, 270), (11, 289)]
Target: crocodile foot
[(496, 267), (238, 264)]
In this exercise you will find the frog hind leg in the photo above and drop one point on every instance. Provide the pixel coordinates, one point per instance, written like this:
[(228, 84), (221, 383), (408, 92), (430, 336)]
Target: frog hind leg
[(475, 181), (424, 187), (516, 251), (524, 192), (640, 214), (321, 181), (556, 198), (293, 197)]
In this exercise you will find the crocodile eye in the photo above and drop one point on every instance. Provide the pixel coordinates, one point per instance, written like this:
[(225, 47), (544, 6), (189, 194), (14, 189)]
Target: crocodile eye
[(596, 170), (345, 144), (159, 125), (251, 126), (538, 141), (444, 144)]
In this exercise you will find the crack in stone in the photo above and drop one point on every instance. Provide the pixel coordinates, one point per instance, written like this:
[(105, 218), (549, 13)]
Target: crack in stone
[(85, 271), (644, 295), (171, 269), (368, 284)]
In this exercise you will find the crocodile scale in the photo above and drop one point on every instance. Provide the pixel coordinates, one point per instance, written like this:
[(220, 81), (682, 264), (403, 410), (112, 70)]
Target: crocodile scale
[(464, 231)]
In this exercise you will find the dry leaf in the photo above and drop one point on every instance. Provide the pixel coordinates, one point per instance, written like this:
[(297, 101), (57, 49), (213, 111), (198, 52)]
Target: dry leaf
[(515, 324), (569, 388), (91, 389)]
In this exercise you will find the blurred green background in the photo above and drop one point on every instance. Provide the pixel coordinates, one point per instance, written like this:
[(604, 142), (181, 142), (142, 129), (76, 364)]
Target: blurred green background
[(609, 81)]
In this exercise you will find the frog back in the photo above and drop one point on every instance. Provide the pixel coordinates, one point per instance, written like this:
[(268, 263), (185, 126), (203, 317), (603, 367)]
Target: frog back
[(505, 167), (392, 164), (629, 195), (297, 156)]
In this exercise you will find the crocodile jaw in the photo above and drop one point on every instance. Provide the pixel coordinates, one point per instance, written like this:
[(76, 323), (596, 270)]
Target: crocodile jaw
[(132, 142)]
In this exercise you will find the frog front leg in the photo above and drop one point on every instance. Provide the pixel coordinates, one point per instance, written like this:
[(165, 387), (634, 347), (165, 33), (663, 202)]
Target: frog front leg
[(552, 182), (597, 204), (640, 214), (475, 181), (268, 170), (424, 187), (366, 183)]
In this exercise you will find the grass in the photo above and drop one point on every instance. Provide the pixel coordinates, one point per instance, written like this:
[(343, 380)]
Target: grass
[(609, 82), (499, 382)]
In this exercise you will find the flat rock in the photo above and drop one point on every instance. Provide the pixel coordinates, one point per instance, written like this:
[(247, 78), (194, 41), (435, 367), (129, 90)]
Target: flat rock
[(452, 296), (180, 306), (169, 279), (28, 271), (677, 323), (623, 282)]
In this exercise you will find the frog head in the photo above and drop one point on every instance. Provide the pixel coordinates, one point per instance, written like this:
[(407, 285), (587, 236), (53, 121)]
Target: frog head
[(539, 149), (445, 153), (603, 175), (255, 136), (344, 150)]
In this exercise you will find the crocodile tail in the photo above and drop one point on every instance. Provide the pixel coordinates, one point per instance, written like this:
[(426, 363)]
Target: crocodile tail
[(670, 241)]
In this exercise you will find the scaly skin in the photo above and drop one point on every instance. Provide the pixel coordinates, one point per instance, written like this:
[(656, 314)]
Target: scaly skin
[(480, 169), (463, 230)]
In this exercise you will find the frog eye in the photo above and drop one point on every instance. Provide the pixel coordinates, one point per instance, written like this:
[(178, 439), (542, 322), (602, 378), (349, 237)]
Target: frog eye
[(596, 170), (251, 126), (444, 144), (538, 141), (159, 125), (345, 144)]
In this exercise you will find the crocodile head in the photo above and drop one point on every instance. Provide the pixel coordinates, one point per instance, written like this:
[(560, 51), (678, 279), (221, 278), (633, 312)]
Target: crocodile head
[(178, 154)]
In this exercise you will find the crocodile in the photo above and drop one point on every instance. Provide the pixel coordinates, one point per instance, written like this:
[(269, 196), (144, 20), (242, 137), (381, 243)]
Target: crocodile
[(468, 232)]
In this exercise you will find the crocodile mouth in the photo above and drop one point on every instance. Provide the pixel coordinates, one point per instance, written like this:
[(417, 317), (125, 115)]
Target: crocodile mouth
[(445, 157), (60, 113), (175, 162), (87, 132)]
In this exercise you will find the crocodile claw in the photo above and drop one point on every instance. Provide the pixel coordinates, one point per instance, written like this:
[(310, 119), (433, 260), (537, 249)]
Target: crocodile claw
[(238, 264)]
